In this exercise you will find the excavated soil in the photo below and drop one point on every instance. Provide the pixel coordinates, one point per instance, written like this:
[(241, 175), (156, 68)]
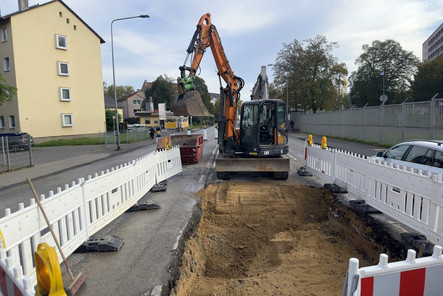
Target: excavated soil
[(272, 238)]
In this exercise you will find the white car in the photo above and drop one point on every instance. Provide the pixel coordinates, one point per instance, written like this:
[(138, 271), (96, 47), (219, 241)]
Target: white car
[(424, 155), (136, 127)]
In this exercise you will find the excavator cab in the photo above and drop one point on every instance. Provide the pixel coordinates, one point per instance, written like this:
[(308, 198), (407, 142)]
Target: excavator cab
[(263, 131)]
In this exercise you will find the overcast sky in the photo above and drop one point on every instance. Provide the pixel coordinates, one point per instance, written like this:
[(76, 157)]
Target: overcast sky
[(252, 31)]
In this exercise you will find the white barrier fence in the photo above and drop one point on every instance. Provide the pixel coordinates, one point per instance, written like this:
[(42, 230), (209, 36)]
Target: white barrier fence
[(414, 276), (415, 199), (75, 213)]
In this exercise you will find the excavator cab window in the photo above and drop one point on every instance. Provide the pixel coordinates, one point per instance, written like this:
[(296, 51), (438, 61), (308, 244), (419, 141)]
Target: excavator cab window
[(249, 119), (282, 136), (267, 124)]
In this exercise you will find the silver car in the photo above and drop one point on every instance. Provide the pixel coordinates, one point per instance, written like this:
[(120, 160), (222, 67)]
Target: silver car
[(425, 155)]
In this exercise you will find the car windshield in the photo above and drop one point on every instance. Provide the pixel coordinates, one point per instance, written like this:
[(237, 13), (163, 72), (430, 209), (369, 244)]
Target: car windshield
[(396, 152)]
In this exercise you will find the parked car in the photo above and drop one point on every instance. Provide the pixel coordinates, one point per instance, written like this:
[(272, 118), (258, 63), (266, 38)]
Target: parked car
[(136, 127), (16, 141), (426, 155)]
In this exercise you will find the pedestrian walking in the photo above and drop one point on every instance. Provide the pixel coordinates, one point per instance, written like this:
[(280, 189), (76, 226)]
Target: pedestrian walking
[(151, 133)]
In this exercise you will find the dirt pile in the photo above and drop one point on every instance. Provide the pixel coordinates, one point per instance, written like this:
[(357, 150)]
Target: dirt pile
[(271, 238)]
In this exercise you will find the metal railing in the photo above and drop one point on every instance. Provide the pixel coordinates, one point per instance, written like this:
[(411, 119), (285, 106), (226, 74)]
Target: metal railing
[(16, 152), (136, 135)]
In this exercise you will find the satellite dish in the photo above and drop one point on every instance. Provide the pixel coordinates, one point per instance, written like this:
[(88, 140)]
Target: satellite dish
[(383, 98)]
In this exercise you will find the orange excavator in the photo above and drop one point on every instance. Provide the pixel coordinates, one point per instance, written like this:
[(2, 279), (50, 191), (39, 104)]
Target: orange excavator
[(260, 141)]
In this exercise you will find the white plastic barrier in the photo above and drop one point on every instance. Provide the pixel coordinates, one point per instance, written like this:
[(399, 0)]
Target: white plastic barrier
[(415, 199), (413, 276), (12, 281), (79, 211), (320, 162), (168, 164)]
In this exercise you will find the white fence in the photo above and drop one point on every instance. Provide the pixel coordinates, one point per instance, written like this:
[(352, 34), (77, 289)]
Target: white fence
[(414, 276), (414, 199), (80, 210)]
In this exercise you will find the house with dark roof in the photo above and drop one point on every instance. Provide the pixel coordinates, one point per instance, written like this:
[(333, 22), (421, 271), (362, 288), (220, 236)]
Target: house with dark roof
[(59, 87)]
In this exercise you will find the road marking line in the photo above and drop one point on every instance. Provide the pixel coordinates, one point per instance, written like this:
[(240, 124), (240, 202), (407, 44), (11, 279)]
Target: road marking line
[(292, 157), (156, 291)]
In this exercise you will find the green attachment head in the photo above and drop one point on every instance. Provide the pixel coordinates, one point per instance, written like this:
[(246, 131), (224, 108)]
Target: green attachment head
[(187, 83)]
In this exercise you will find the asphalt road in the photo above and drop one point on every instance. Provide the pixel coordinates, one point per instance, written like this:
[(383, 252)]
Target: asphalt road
[(151, 238)]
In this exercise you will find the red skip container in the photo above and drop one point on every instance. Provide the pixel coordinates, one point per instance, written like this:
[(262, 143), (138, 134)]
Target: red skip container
[(191, 147)]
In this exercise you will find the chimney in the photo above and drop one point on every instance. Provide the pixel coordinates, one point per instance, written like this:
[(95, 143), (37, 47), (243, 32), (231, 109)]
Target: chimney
[(22, 5)]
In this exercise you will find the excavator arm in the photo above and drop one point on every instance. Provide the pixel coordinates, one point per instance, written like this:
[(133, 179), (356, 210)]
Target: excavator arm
[(189, 103)]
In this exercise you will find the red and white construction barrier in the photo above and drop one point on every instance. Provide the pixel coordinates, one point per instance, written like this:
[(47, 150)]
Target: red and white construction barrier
[(12, 282), (413, 276)]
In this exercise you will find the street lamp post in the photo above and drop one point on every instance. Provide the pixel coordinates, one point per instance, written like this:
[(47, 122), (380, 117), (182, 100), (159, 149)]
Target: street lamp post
[(383, 97), (113, 72)]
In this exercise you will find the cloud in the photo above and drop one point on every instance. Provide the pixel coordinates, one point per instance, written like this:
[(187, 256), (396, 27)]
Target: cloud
[(252, 31)]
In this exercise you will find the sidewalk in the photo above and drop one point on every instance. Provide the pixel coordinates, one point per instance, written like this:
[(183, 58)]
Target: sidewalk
[(52, 160)]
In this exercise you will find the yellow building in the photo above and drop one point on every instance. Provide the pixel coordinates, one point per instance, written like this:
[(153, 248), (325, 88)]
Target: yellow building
[(53, 58), (151, 119)]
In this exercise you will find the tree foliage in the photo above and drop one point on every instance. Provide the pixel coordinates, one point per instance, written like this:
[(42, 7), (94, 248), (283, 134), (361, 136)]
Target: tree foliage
[(202, 88), (428, 80), (163, 90), (7, 92), (382, 60), (121, 90), (308, 74), (110, 121)]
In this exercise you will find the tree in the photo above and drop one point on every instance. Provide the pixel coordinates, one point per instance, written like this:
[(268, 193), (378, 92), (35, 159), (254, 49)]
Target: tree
[(202, 88), (307, 73), (6, 91), (110, 121), (121, 90), (428, 80), (217, 108), (163, 90), (383, 60)]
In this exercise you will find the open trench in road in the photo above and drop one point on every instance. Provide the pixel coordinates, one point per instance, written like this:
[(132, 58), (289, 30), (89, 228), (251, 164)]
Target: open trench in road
[(267, 237)]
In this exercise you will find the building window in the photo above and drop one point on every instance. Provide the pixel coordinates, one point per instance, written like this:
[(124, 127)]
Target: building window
[(4, 35), (2, 122), (148, 121), (11, 121), (63, 68), (137, 102), (67, 21), (67, 120), (61, 42), (65, 94), (6, 67)]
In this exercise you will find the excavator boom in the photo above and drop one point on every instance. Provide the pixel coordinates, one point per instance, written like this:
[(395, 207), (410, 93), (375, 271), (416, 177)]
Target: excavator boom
[(189, 103), (260, 141)]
